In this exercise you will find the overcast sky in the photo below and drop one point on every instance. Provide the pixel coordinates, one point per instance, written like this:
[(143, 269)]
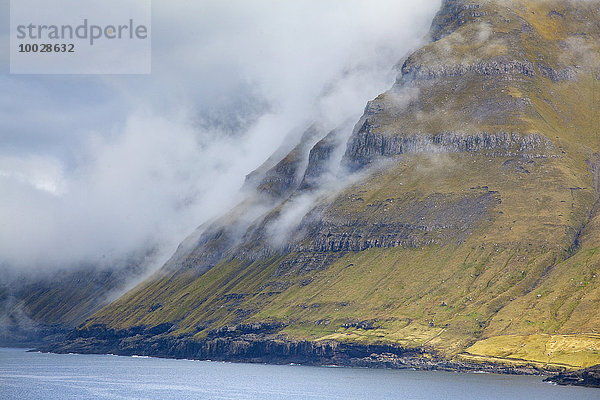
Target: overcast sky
[(95, 168)]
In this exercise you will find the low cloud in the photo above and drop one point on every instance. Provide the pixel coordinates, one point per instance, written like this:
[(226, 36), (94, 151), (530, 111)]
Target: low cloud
[(95, 169)]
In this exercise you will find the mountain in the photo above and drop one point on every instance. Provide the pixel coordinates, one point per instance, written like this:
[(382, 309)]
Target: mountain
[(41, 309), (455, 226)]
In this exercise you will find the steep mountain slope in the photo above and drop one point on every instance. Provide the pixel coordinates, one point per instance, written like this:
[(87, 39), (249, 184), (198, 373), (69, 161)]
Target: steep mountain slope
[(458, 223), (43, 308)]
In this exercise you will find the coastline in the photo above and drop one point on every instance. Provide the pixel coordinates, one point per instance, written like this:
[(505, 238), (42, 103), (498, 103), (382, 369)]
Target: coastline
[(262, 343), (271, 348)]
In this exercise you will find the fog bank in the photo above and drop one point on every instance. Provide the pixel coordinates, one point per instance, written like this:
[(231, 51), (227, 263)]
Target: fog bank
[(97, 169)]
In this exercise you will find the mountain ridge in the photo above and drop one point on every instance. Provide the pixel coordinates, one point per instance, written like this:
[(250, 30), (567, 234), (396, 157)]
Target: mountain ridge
[(457, 227)]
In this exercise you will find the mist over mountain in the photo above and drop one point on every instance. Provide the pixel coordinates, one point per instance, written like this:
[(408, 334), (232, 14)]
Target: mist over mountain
[(97, 169), (103, 176), (398, 187), (453, 224)]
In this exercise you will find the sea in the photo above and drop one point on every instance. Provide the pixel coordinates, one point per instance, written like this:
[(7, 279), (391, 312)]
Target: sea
[(33, 375)]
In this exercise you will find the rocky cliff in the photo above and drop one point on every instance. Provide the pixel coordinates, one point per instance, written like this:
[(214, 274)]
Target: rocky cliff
[(585, 377), (457, 222)]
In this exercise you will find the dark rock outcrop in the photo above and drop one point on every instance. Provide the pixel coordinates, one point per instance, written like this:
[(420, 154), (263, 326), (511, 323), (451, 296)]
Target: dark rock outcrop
[(202, 250), (452, 16), (402, 222), (303, 262), (367, 145), (287, 174), (557, 75), (267, 327), (318, 159), (496, 67), (589, 377)]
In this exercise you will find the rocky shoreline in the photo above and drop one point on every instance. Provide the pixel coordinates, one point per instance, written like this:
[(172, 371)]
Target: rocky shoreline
[(588, 377), (260, 343)]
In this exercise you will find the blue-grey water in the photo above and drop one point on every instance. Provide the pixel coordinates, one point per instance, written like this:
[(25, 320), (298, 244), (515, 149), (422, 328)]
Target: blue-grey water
[(26, 375)]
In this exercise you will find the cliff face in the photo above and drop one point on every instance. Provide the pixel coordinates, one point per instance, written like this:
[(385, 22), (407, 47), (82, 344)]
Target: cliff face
[(459, 218)]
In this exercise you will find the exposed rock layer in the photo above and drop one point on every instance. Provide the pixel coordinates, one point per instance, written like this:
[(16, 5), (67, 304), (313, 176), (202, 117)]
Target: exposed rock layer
[(585, 377)]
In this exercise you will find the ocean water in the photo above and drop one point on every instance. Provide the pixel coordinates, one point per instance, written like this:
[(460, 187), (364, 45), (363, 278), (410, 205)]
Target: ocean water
[(26, 375)]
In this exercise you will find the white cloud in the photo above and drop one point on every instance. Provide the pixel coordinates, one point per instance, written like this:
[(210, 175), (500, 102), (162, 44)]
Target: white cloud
[(96, 168)]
